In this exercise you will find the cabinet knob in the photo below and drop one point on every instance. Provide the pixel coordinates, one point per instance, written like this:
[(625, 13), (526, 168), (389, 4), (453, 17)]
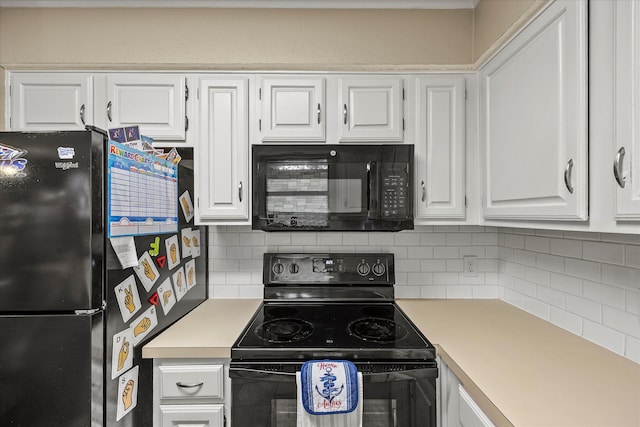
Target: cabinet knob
[(617, 167), (109, 111), (319, 113), (240, 191), (82, 114), (345, 113), (424, 191)]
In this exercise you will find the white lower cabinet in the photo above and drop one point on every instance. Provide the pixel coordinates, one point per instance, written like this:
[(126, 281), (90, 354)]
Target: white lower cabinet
[(190, 392), (456, 407)]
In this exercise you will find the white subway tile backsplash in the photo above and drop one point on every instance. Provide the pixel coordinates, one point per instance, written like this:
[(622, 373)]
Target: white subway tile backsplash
[(584, 308), (536, 244), (622, 321), (605, 294), (459, 239), (536, 275), (433, 239), (604, 336), (566, 248), (538, 308), (550, 262), (626, 277), (446, 252), (632, 256), (567, 284), (586, 283), (632, 349), (304, 239), (610, 253), (583, 269), (566, 320), (407, 239)]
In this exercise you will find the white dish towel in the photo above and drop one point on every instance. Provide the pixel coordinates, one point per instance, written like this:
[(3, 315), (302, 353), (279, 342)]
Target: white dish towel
[(306, 419)]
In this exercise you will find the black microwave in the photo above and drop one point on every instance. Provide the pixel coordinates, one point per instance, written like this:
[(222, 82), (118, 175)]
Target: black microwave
[(354, 187)]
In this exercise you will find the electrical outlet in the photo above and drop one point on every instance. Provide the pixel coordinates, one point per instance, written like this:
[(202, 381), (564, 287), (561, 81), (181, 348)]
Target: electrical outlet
[(470, 265)]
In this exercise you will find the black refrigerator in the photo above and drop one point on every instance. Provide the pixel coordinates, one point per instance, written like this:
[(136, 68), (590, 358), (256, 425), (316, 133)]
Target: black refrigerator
[(72, 320)]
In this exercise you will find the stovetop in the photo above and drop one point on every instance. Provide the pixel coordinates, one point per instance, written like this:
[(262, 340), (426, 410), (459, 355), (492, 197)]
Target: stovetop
[(311, 330), (330, 306)]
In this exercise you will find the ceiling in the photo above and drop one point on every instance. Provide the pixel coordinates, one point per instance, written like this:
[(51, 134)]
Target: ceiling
[(259, 4)]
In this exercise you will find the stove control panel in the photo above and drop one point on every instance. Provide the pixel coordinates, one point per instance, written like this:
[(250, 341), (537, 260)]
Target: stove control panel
[(338, 268)]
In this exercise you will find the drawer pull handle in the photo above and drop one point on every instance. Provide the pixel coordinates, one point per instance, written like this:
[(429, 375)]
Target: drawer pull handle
[(194, 385)]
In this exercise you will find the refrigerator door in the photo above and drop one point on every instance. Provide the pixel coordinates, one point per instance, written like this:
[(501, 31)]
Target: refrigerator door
[(51, 228), (51, 370)]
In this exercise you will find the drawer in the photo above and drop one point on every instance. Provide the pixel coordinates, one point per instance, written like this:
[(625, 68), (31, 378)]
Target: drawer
[(189, 381)]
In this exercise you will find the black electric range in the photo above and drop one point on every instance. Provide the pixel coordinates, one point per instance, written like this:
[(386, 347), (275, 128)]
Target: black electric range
[(337, 306), (340, 307)]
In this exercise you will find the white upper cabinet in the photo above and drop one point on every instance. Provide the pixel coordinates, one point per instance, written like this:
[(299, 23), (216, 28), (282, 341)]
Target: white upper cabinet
[(626, 167), (155, 102), (533, 127), (222, 152), (68, 101), (292, 108), (440, 147), (371, 108), (50, 101)]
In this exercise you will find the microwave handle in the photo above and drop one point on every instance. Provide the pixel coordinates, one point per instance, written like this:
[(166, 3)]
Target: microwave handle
[(368, 189)]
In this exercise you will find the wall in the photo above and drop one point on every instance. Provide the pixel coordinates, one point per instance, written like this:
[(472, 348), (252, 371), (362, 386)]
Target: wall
[(214, 39), (234, 38), (428, 259), (587, 283), (496, 20)]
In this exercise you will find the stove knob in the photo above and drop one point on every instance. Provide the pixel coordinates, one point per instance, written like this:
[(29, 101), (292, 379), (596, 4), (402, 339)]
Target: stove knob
[(294, 268), (278, 268), (363, 268), (379, 269)]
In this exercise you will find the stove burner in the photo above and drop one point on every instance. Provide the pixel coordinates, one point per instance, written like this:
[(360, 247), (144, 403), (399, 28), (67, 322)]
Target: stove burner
[(377, 329), (284, 330)]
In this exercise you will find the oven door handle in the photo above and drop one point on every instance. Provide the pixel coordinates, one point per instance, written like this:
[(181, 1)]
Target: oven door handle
[(260, 374), (241, 372)]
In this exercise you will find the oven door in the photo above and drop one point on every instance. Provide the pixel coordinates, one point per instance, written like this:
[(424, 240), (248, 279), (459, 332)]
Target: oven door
[(266, 396)]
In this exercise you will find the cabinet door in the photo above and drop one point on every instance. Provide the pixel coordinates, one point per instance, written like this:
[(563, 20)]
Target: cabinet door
[(533, 129), (192, 415), (371, 108), (440, 147), (292, 109), (50, 101), (154, 102), (470, 413), (222, 152), (627, 156)]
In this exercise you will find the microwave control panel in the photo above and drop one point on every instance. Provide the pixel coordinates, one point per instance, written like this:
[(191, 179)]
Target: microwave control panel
[(394, 190)]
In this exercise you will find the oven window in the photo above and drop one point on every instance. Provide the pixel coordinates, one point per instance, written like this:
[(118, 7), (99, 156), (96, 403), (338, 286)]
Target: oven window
[(272, 403), (315, 188)]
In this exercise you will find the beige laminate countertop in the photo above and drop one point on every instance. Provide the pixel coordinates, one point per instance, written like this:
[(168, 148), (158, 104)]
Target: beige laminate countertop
[(524, 371), (209, 330), (521, 370)]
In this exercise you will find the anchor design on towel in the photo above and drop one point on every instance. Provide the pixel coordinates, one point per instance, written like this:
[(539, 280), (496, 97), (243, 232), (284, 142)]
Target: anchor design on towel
[(329, 389)]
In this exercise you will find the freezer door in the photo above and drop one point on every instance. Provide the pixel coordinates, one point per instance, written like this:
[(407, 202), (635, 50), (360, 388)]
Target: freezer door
[(51, 221), (51, 370)]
